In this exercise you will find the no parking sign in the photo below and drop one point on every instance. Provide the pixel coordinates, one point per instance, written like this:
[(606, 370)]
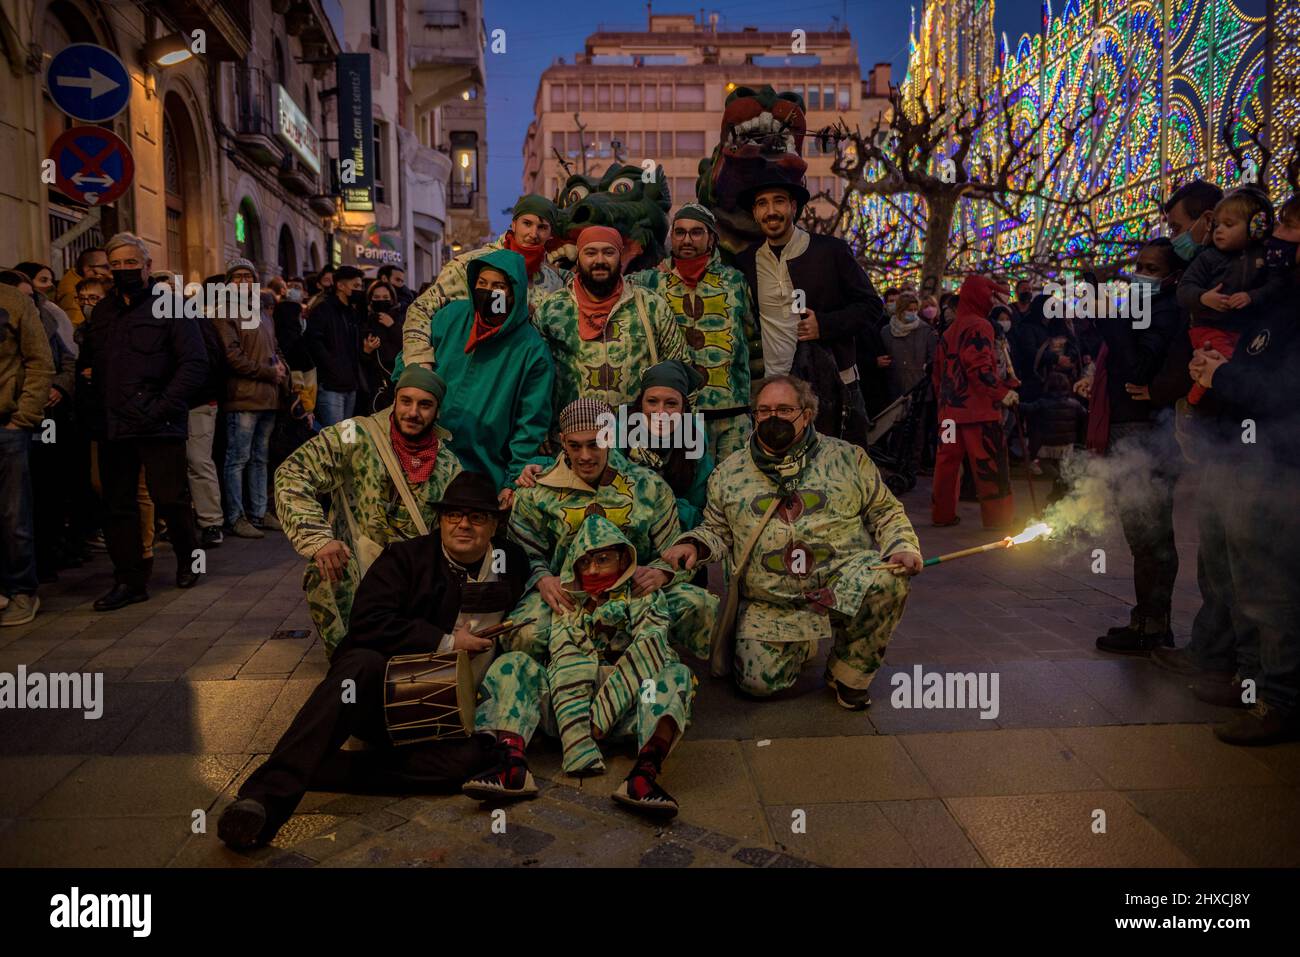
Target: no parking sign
[(92, 165)]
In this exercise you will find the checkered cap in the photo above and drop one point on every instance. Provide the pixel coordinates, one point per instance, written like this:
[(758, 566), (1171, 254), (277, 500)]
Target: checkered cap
[(582, 415)]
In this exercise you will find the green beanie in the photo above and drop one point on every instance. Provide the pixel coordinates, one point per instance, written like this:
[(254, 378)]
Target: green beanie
[(675, 374), (419, 377), (538, 206)]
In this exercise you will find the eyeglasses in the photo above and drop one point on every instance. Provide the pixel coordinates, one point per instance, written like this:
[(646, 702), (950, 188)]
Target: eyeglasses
[(89, 300), (455, 515), (781, 411), (693, 233)]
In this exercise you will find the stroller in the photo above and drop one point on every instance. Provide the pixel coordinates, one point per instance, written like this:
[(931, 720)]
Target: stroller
[(891, 440)]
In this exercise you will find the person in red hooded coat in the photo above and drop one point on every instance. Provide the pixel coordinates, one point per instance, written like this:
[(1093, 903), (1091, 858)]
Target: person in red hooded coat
[(971, 398)]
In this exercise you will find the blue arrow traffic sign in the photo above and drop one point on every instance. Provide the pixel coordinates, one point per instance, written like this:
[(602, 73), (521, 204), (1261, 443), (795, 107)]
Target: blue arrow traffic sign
[(92, 165), (88, 82)]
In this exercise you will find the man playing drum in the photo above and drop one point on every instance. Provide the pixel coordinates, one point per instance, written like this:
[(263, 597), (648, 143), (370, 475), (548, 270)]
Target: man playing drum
[(429, 594)]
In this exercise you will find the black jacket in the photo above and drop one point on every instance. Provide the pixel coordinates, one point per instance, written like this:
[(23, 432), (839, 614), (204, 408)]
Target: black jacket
[(291, 336), (836, 289), (409, 599), (214, 386), (333, 340), (145, 371), (1057, 419), (1138, 355), (1259, 383)]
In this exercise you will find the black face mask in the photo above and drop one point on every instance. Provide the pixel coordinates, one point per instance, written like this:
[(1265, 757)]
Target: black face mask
[(357, 300), (128, 281), (483, 302), (1024, 298), (776, 433), (381, 306)]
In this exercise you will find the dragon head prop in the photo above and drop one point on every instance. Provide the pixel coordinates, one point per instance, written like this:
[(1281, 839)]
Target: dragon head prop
[(762, 140), (632, 199)]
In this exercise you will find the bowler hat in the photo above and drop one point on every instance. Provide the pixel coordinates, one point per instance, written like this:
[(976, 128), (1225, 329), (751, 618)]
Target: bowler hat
[(773, 180), (472, 491)]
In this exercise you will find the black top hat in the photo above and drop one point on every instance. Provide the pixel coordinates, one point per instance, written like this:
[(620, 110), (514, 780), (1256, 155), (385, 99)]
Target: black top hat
[(772, 180), (472, 491)]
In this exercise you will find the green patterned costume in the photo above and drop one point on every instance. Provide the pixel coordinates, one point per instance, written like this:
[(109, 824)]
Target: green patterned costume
[(608, 368), (342, 462), (453, 283), (717, 321), (811, 574), (610, 673), (546, 519)]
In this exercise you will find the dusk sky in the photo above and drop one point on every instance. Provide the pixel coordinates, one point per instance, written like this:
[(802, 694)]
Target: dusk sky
[(537, 32)]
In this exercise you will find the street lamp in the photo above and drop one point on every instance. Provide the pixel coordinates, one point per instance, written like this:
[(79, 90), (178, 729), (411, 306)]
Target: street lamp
[(167, 50)]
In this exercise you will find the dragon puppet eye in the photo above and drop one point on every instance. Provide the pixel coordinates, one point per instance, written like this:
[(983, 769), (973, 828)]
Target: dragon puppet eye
[(622, 185), (575, 194)]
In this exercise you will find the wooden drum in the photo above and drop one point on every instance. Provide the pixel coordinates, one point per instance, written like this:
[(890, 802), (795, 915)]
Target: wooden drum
[(429, 696)]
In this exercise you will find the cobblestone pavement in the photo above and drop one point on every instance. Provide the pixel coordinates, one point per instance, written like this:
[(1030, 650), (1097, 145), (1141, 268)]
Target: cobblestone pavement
[(198, 689)]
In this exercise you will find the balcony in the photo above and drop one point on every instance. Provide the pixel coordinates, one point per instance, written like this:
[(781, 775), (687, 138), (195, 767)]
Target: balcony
[(224, 22), (255, 117), (296, 177), (445, 42), (460, 195)]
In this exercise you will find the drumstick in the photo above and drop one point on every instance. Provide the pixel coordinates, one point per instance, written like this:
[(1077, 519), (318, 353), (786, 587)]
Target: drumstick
[(509, 624)]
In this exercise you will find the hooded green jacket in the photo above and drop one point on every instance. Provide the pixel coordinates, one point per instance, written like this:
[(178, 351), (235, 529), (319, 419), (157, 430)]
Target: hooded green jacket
[(631, 634), (498, 403)]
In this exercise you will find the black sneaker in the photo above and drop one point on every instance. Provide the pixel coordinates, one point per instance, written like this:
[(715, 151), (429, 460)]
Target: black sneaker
[(242, 824), (1133, 640), (213, 536), (850, 698)]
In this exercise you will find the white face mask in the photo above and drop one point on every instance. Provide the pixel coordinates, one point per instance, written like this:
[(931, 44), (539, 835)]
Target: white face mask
[(1005, 324), (294, 295)]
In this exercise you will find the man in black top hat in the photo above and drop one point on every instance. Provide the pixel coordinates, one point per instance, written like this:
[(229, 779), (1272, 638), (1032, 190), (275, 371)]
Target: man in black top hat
[(817, 310), (427, 594)]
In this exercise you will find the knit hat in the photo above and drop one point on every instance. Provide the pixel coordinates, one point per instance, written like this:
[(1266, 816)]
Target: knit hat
[(583, 415), (601, 234), (675, 374), (418, 377), (237, 263), (538, 206), (698, 213)]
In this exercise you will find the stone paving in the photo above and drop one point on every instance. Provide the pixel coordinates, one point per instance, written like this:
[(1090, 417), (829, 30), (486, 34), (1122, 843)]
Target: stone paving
[(197, 691)]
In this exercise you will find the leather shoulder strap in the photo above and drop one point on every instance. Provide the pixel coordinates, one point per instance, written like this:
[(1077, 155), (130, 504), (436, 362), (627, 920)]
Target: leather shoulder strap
[(645, 324), (387, 456)]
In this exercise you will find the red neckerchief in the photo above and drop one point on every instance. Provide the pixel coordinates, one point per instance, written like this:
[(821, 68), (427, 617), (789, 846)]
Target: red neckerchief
[(594, 585), (533, 255), (481, 330), (593, 313), (692, 270), (415, 456)]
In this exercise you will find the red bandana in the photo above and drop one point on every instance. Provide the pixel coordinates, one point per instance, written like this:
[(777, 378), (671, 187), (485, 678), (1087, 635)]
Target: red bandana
[(595, 585), (692, 270), (593, 313), (481, 330), (533, 255), (415, 456)]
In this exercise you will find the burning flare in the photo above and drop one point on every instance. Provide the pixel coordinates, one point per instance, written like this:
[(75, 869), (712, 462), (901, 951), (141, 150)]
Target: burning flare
[(1032, 532)]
